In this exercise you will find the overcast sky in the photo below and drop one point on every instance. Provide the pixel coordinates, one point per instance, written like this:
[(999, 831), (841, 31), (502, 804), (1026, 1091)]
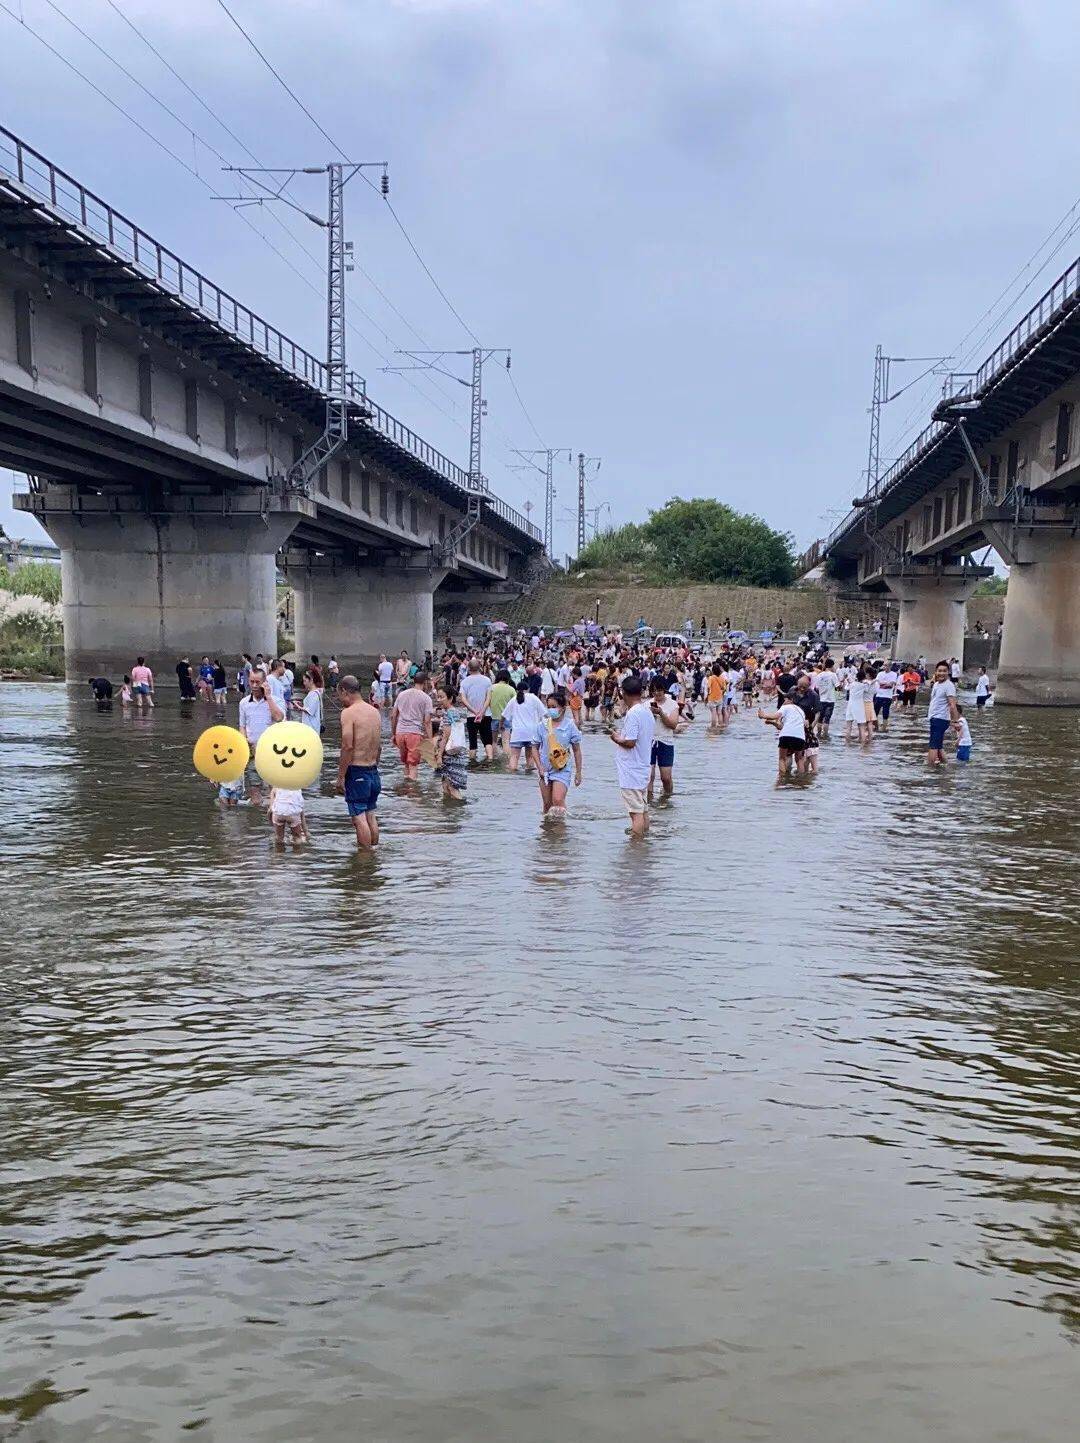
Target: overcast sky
[(692, 222)]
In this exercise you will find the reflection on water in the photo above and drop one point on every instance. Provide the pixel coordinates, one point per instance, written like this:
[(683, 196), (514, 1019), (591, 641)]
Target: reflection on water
[(766, 1129)]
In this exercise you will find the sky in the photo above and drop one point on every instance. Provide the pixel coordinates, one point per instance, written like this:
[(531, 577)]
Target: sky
[(690, 222)]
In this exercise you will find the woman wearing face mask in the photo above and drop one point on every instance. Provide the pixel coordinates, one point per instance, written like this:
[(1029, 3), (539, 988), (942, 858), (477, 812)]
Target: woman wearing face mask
[(556, 749)]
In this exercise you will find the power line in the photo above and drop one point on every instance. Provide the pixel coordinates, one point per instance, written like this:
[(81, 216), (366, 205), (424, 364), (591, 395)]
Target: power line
[(172, 154), (427, 270), (282, 82), (191, 170), (525, 409), (176, 74)]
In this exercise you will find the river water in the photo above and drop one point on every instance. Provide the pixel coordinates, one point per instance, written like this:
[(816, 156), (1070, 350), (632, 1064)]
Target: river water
[(766, 1129)]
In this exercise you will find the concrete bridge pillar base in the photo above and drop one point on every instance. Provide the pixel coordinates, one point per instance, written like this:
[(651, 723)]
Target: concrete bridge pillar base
[(354, 613), (933, 614), (1040, 645), (165, 587)]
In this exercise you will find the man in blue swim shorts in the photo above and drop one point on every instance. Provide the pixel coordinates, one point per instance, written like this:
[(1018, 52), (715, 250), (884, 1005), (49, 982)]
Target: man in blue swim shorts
[(358, 768), (942, 714)]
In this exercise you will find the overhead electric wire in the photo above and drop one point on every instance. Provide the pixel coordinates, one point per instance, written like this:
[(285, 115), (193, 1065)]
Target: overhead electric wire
[(386, 200), (193, 171), (173, 155), (282, 82), (1007, 295)]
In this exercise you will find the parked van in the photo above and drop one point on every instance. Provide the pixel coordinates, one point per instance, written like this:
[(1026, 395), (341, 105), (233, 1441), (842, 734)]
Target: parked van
[(669, 640)]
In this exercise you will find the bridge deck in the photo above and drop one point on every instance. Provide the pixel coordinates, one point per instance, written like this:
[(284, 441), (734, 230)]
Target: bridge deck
[(1038, 355), (41, 203)]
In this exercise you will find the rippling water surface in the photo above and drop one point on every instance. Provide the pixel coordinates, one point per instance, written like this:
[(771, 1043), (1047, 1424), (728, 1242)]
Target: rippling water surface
[(764, 1130)]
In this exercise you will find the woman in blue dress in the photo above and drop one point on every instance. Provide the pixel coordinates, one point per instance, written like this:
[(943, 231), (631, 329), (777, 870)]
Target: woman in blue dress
[(556, 749)]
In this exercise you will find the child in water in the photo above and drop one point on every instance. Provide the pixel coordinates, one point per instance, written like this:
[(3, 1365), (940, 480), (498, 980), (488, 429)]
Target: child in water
[(963, 737), (287, 811), (230, 794), (126, 697)]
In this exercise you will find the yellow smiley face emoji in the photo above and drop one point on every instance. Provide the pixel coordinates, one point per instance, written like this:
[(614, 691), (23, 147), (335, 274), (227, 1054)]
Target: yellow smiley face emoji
[(221, 754), (289, 754)]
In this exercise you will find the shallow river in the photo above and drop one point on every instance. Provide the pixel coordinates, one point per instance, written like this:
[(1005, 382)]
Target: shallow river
[(766, 1129)]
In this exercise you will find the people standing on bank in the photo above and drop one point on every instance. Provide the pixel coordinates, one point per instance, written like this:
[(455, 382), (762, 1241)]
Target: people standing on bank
[(358, 765), (634, 741), (942, 713), (142, 683)]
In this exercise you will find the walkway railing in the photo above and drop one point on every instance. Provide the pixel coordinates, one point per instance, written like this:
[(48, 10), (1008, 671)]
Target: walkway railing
[(46, 183)]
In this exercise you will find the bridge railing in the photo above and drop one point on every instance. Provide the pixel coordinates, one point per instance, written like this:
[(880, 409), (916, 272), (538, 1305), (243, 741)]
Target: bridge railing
[(1046, 309), (103, 223)]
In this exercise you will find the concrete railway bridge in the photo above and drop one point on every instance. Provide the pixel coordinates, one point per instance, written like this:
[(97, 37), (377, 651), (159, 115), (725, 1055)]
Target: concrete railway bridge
[(158, 418), (999, 467)]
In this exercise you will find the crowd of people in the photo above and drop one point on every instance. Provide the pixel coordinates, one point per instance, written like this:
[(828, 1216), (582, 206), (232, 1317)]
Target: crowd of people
[(523, 700)]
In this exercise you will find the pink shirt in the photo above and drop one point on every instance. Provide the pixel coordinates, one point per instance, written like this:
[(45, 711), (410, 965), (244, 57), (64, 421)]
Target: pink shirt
[(141, 675), (413, 709)]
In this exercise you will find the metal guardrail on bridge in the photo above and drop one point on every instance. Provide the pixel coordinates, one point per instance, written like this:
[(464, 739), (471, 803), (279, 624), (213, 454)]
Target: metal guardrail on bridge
[(1047, 308), (46, 183)]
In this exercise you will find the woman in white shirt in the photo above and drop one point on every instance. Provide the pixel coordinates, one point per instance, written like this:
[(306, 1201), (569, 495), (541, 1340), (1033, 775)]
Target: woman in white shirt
[(525, 713), (310, 708), (790, 722), (859, 688)]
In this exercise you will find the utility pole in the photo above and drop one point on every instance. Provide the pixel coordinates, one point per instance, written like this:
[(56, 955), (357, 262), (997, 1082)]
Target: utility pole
[(594, 512), (582, 462), (881, 387), (340, 388), (550, 454), (477, 483)]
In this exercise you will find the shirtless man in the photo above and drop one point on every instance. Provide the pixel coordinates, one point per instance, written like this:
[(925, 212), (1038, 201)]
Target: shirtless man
[(358, 769)]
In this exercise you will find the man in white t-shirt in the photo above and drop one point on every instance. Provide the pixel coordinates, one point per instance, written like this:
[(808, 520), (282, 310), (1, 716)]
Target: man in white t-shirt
[(634, 741), (942, 713), (476, 689), (825, 683), (275, 687), (664, 706), (885, 684), (258, 709), (384, 673)]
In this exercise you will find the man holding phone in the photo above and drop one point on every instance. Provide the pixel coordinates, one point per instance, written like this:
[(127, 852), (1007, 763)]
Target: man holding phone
[(634, 741)]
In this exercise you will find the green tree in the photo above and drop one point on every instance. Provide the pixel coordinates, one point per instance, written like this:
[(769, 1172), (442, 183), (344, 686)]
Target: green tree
[(32, 578), (619, 547), (704, 540)]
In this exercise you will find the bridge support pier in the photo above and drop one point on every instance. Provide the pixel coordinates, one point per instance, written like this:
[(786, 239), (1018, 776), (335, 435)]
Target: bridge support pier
[(165, 586), (356, 612), (933, 613), (1040, 644)]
